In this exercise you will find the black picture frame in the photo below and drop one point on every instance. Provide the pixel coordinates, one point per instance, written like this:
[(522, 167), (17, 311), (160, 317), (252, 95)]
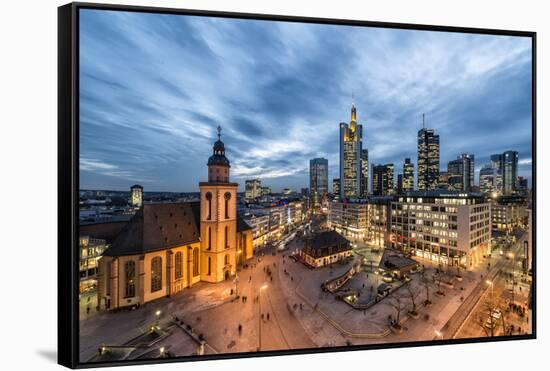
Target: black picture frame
[(68, 179)]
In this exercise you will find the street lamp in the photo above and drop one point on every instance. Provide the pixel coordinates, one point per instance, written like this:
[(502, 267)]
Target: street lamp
[(262, 288), (157, 317), (489, 282), (161, 352)]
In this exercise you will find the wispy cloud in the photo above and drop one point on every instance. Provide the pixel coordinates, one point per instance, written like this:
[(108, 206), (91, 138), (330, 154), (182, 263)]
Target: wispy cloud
[(154, 87)]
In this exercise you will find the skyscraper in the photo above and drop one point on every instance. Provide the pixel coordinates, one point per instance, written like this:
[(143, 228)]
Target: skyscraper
[(253, 189), (136, 195), (461, 173), (509, 171), (428, 158), (382, 179), (408, 176), (351, 136), (488, 179), (336, 188), (318, 179), (364, 173), (399, 184)]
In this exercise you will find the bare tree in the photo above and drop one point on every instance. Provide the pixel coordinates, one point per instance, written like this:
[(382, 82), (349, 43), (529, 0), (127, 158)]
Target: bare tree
[(412, 293), (399, 304), (427, 285), (438, 277), (489, 317)]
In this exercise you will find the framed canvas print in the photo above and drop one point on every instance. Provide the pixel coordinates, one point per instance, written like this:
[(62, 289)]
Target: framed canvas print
[(238, 185)]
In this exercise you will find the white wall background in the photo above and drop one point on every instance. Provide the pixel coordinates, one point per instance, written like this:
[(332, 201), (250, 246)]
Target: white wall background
[(28, 121)]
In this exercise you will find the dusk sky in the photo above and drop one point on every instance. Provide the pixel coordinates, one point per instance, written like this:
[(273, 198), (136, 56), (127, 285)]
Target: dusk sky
[(153, 89)]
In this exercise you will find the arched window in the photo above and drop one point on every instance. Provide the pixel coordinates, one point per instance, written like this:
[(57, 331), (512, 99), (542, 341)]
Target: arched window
[(178, 262), (156, 273), (209, 266), (226, 236), (196, 261), (209, 205), (130, 274), (227, 197), (209, 238)]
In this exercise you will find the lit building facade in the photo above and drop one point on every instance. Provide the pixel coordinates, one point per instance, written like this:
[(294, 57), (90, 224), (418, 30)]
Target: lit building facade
[(336, 188), (136, 195), (365, 219), (364, 173), (509, 212), (408, 175), (351, 139), (510, 161), (167, 247), (461, 173), (252, 189), (428, 159), (91, 250), (326, 248), (448, 227), (488, 179), (318, 179), (382, 180)]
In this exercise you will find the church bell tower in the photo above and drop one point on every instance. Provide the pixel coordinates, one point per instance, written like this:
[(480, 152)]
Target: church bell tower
[(218, 218)]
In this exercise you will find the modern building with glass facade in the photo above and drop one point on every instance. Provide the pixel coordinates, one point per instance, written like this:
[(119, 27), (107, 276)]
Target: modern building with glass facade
[(351, 147), (253, 189), (408, 176), (451, 228), (428, 159), (318, 179), (461, 173), (510, 161), (382, 180)]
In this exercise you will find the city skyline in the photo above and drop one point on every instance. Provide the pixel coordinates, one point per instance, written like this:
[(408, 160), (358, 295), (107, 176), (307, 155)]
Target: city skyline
[(281, 106)]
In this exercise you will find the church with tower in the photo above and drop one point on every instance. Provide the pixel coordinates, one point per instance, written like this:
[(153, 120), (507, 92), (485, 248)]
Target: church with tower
[(167, 247)]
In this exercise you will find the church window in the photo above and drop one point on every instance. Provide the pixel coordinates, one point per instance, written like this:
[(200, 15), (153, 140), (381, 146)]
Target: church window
[(156, 273)]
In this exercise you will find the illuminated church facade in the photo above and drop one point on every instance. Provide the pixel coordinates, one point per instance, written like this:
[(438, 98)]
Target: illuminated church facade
[(167, 247)]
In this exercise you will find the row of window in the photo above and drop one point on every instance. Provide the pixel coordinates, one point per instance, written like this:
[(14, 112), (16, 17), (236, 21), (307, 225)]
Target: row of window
[(226, 197), (156, 272)]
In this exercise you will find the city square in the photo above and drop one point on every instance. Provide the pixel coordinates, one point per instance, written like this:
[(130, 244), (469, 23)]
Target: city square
[(263, 211)]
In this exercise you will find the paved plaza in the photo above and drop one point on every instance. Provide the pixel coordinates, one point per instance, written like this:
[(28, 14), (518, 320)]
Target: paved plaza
[(281, 305)]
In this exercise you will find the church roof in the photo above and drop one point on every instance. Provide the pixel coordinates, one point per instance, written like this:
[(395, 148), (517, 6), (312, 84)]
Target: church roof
[(242, 225), (161, 226), (158, 226)]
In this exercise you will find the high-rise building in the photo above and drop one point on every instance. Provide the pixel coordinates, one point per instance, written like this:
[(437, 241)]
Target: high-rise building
[(318, 179), (428, 158), (351, 139), (461, 173), (443, 180), (136, 195), (336, 188), (509, 171), (382, 180), (488, 176), (408, 176), (522, 185), (253, 189), (399, 184), (364, 173)]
